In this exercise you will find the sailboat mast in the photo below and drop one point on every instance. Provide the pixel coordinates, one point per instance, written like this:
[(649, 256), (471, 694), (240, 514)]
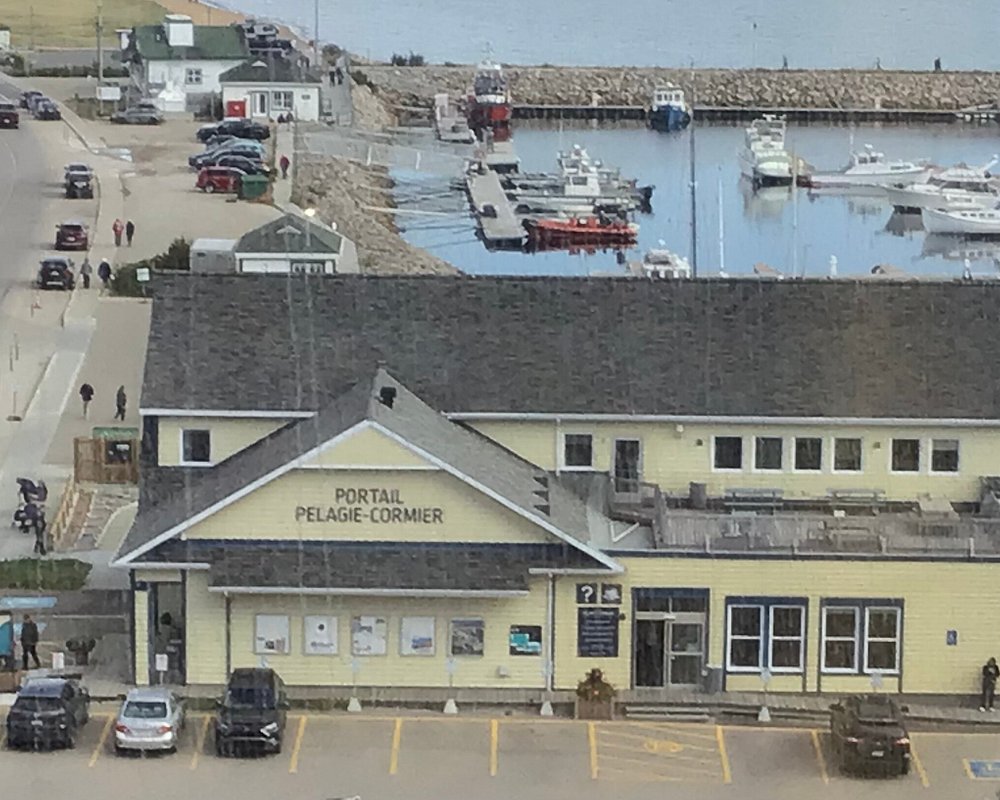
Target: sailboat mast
[(694, 188), (722, 229)]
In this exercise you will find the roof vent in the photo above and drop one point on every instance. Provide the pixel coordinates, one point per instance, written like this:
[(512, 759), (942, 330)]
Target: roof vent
[(387, 396), (542, 480), (546, 510), (258, 64)]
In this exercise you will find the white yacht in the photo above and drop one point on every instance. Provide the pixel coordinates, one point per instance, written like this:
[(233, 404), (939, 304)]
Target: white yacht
[(974, 184), (763, 158), (962, 219), (869, 168)]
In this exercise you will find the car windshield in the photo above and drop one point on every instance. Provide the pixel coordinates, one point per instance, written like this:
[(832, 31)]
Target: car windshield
[(250, 697), (33, 704), (145, 709)]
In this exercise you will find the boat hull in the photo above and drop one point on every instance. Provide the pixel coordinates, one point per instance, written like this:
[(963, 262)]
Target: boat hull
[(843, 180), (951, 223), (913, 199), (668, 119)]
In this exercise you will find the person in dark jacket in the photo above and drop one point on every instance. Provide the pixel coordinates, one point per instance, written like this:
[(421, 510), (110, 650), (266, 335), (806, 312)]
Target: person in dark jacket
[(86, 395), (29, 642), (990, 674), (129, 232), (120, 401), (104, 273)]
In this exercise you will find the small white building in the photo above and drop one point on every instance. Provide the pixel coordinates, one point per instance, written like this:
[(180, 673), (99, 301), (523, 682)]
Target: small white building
[(179, 56), (264, 89)]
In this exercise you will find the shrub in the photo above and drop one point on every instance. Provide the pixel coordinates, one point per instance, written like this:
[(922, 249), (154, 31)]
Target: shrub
[(34, 574), (595, 688), (411, 60), (177, 257)]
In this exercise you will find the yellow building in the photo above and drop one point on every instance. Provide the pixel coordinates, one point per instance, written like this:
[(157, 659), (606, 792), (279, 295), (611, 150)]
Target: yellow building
[(712, 484)]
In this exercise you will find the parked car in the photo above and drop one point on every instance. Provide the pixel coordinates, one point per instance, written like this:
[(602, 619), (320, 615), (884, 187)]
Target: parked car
[(219, 179), (78, 181), (138, 115), (56, 272), (236, 143), (48, 712), (221, 138), (151, 718), (46, 109), (212, 159), (248, 166), (868, 734), (244, 128), (27, 97), (252, 712), (9, 118), (72, 236)]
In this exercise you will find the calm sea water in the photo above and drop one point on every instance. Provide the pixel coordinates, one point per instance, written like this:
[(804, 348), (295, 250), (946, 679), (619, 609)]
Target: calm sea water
[(902, 34), (795, 233)]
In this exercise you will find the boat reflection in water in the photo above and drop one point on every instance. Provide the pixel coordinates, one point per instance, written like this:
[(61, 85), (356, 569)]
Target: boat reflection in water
[(900, 224), (953, 248), (766, 202)]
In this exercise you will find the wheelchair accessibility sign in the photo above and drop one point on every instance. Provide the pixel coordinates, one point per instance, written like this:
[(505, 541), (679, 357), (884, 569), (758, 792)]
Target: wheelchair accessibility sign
[(983, 770)]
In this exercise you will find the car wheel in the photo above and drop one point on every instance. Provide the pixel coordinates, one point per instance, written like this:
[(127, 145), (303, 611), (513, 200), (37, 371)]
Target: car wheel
[(904, 766), (70, 740), (209, 188), (220, 748)]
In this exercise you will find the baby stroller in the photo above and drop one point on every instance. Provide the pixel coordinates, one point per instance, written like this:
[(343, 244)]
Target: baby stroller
[(30, 511)]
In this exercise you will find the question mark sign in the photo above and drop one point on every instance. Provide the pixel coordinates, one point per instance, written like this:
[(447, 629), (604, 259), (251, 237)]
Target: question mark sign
[(587, 590)]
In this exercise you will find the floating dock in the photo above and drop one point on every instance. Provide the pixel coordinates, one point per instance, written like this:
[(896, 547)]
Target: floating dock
[(501, 157), (500, 228)]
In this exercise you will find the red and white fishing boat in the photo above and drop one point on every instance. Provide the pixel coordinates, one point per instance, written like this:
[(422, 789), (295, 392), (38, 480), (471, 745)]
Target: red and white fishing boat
[(593, 231), (488, 106)]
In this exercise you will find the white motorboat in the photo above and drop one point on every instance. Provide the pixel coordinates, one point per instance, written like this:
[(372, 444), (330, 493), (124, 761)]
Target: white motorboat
[(974, 184), (763, 158), (962, 219), (869, 168), (662, 263)]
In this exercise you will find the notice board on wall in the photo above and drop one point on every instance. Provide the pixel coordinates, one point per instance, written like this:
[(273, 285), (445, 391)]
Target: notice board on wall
[(597, 632)]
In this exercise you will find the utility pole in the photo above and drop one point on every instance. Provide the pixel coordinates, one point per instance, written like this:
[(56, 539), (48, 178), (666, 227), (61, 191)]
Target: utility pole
[(100, 56), (316, 34), (31, 40)]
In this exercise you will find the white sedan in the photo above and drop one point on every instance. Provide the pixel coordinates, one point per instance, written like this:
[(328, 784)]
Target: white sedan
[(150, 719)]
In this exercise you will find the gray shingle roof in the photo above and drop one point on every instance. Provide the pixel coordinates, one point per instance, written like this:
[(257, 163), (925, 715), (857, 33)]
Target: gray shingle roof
[(290, 233), (569, 345), (525, 487), (211, 43), (270, 70)]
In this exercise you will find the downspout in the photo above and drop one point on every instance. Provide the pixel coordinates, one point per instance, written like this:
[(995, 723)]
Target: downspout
[(229, 638), (550, 644), (555, 445)]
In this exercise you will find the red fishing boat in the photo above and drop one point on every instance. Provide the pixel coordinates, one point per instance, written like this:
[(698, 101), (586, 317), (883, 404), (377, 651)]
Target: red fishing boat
[(488, 106), (582, 231)]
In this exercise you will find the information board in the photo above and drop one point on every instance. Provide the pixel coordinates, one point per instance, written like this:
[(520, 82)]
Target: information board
[(597, 632)]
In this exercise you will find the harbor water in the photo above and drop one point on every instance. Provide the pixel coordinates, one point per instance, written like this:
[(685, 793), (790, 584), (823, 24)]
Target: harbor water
[(794, 231), (903, 34)]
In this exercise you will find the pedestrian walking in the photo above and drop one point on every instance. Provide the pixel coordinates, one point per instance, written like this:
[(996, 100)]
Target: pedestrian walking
[(104, 273), (38, 523), (129, 232), (120, 401), (284, 163), (116, 228), (85, 272), (86, 395), (937, 64), (990, 674), (29, 642)]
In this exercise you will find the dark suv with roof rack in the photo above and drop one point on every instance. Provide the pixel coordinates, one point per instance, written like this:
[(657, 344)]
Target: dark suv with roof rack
[(251, 713), (869, 735), (48, 712)]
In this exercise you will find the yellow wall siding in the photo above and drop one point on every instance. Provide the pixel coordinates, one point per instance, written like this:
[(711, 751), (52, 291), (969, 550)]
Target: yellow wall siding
[(851, 684), (393, 669), (205, 632), (228, 435), (370, 448), (752, 683), (140, 605), (158, 575), (673, 458), (270, 512)]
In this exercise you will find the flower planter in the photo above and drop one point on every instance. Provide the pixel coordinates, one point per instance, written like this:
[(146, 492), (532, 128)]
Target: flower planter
[(595, 709)]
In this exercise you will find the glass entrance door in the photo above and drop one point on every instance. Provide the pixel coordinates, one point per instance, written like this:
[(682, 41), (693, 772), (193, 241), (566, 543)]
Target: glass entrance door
[(669, 650), (650, 666), (687, 653), (627, 466)]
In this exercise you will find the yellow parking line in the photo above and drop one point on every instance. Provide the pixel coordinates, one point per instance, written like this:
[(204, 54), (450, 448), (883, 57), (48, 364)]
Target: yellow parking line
[(708, 769), (690, 732), (199, 743), (727, 775), (592, 740), (820, 758), (102, 742), (918, 764), (654, 757), (968, 769), (494, 746), (293, 766), (397, 733), (639, 738)]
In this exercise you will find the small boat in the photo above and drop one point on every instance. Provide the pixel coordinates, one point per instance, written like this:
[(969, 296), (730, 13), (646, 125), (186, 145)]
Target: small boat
[(962, 219), (592, 230), (488, 106), (659, 262), (669, 110), (870, 168), (974, 184), (578, 194), (763, 158)]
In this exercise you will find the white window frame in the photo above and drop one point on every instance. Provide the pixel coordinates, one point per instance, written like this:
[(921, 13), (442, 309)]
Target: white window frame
[(183, 461), (896, 639), (739, 637), (274, 100), (854, 639), (920, 454), (563, 466), (930, 459), (753, 462), (801, 638), (833, 454), (795, 467), (743, 455), (192, 72)]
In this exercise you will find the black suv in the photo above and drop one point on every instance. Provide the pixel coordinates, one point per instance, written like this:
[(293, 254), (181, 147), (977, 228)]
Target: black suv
[(48, 712), (869, 735), (56, 272), (252, 712), (241, 128)]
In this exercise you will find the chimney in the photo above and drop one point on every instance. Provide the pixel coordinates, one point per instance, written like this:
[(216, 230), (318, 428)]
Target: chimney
[(180, 30), (387, 396)]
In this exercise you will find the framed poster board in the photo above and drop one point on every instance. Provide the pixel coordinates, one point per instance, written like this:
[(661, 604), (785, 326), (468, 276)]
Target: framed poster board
[(368, 636), (319, 635), (416, 636), (467, 637), (271, 634), (597, 632), (525, 640)]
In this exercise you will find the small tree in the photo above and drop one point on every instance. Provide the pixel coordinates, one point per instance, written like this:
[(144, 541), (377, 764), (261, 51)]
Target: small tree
[(177, 257)]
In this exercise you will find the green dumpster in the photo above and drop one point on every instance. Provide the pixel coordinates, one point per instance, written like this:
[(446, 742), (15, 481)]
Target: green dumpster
[(253, 186)]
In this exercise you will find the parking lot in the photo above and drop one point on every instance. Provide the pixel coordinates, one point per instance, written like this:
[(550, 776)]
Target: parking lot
[(430, 756)]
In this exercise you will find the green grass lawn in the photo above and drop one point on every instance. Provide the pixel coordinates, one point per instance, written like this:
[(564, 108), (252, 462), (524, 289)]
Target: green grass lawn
[(36, 574), (71, 23)]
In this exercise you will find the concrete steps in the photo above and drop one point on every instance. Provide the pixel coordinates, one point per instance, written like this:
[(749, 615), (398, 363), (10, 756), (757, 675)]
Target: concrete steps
[(667, 713), (103, 501)]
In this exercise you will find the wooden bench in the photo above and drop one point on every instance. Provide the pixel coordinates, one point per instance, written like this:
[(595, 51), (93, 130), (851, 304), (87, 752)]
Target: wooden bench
[(856, 498), (753, 499)]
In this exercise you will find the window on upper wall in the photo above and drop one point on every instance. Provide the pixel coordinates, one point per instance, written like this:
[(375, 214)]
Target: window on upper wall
[(847, 455), (767, 453), (882, 639), (905, 455), (766, 634), (728, 452), (861, 636), (787, 638), (808, 453), (840, 639), (196, 446), (281, 101), (193, 76), (578, 451), (944, 455), (746, 637)]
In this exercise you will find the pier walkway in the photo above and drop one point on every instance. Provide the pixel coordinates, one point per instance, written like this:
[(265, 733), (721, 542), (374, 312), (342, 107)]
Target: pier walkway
[(500, 227)]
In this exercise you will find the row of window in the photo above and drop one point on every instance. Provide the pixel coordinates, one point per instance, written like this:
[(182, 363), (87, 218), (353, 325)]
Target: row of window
[(855, 638)]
